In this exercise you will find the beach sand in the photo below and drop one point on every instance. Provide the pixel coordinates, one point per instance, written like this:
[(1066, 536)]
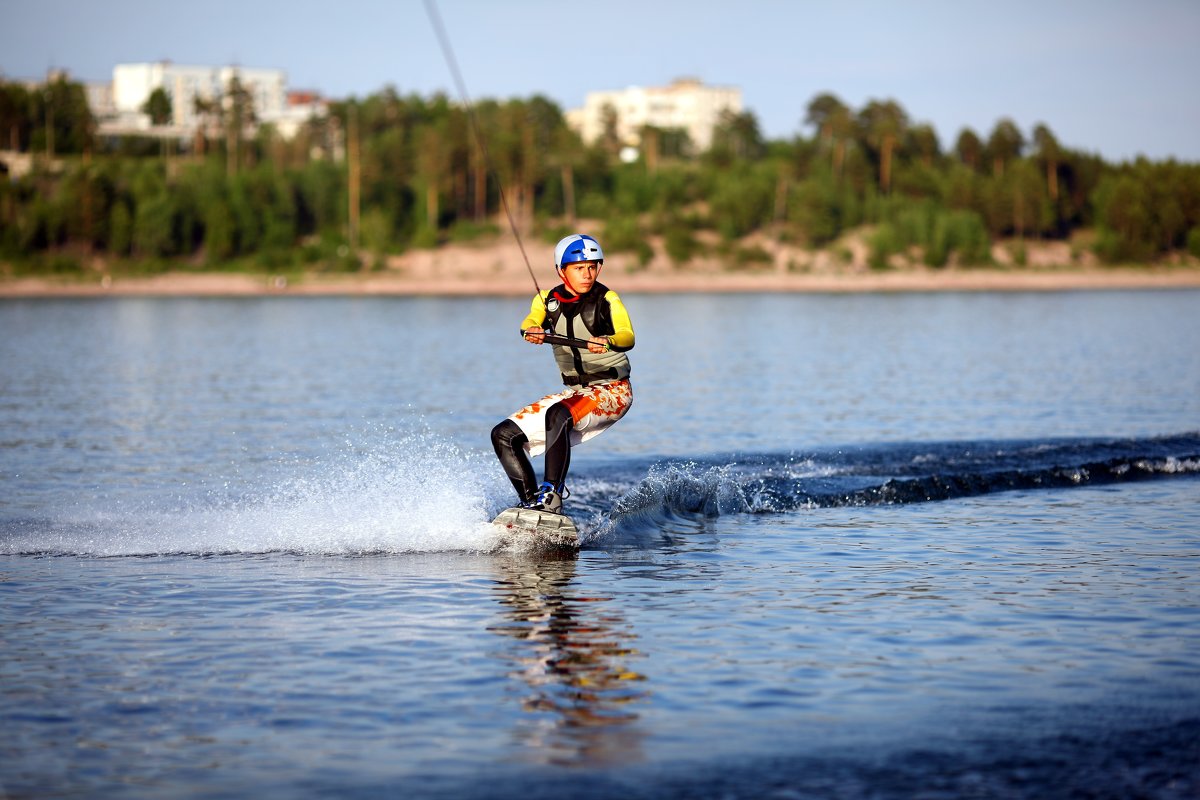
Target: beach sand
[(500, 268)]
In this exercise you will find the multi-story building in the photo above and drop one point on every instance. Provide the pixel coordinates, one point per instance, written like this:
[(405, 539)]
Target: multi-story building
[(190, 89), (100, 99), (687, 104), (134, 83)]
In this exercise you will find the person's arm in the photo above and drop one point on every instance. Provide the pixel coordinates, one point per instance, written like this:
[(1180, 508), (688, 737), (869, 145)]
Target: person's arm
[(531, 326), (622, 338)]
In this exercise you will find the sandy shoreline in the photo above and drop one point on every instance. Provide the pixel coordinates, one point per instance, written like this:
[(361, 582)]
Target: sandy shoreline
[(518, 284), (499, 267)]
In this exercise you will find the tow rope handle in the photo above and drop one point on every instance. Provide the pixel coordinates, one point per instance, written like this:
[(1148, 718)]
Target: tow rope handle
[(564, 341)]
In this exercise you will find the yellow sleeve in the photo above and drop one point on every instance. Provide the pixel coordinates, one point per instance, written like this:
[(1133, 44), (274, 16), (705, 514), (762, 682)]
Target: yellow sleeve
[(537, 311), (622, 337)]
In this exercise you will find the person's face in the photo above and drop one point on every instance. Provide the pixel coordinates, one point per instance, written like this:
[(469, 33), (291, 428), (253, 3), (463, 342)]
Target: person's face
[(581, 275)]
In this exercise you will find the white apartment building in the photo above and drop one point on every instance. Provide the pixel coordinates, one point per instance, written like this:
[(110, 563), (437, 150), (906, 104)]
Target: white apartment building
[(100, 99), (133, 84), (686, 104)]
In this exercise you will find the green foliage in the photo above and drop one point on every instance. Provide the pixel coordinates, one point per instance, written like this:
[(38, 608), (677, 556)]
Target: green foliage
[(152, 227), (623, 234), (964, 233), (158, 107), (120, 230), (1004, 145), (53, 118), (675, 187), (754, 255), (883, 243), (468, 231), (61, 264), (742, 199), (423, 182), (963, 188), (425, 239), (736, 138), (634, 190), (219, 234), (914, 223), (1020, 254), (680, 243), (551, 234), (1145, 209), (1193, 241), (939, 232), (17, 117), (821, 210), (320, 196), (246, 223)]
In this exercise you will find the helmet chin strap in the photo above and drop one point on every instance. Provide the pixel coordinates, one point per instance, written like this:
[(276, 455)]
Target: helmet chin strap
[(566, 284)]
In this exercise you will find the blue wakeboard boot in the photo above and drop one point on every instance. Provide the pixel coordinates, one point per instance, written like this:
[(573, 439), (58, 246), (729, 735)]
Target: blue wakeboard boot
[(550, 498)]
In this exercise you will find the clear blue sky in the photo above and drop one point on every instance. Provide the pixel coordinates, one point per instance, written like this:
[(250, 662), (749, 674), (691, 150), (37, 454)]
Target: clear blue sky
[(1116, 77)]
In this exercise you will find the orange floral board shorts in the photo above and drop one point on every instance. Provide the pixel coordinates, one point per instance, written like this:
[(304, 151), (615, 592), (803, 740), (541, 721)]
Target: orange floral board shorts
[(594, 408)]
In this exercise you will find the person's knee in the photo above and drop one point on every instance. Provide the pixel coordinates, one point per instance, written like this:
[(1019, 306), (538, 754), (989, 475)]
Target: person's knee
[(558, 418), (507, 435)]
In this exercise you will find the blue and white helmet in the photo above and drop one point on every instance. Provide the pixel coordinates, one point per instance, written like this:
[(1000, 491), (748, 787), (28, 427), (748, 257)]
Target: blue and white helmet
[(577, 247)]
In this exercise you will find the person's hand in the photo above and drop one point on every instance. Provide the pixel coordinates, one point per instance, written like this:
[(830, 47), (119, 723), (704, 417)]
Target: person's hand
[(537, 336), (598, 344)]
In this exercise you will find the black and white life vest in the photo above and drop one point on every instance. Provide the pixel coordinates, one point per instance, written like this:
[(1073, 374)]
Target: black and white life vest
[(582, 317)]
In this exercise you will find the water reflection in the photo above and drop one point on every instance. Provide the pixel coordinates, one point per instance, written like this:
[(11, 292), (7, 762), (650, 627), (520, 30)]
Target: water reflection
[(573, 657)]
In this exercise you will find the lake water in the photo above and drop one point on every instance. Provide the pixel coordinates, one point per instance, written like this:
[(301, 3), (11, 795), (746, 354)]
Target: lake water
[(937, 545)]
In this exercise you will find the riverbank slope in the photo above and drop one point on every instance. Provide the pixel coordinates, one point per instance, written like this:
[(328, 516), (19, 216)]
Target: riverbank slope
[(499, 268)]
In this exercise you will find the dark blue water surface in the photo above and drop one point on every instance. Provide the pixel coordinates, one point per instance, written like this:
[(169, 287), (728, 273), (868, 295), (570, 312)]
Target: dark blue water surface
[(843, 546)]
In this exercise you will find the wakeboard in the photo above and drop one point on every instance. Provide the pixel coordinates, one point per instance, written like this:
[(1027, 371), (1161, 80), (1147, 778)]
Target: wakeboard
[(541, 528)]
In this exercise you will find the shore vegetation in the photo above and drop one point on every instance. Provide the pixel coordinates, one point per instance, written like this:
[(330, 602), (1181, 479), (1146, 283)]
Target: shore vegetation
[(389, 174)]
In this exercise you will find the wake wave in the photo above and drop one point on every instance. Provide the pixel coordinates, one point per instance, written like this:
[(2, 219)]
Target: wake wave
[(426, 495), (898, 474)]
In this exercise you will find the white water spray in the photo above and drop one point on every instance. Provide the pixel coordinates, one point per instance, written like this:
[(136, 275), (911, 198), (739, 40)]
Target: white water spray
[(417, 495)]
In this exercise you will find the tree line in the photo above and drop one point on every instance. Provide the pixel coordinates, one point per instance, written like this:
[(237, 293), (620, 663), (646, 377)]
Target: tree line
[(389, 172)]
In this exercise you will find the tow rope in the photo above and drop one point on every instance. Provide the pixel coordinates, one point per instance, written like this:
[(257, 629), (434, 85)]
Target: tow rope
[(444, 40)]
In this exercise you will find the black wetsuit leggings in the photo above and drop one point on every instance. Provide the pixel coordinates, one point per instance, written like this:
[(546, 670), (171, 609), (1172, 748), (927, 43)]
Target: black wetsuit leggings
[(509, 441)]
